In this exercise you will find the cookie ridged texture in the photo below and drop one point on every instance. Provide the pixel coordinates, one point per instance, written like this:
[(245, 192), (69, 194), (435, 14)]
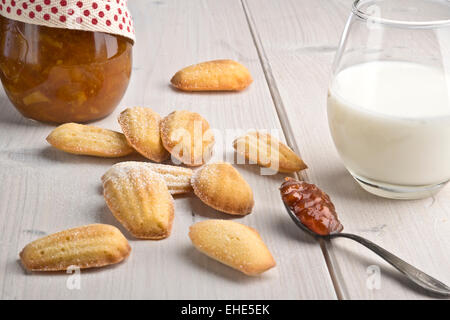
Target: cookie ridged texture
[(141, 129), (140, 200), (89, 140), (88, 246), (216, 75), (233, 244), (222, 187), (188, 137), (178, 179), (267, 151)]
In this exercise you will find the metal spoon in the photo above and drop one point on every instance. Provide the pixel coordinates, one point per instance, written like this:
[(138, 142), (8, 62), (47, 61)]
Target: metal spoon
[(420, 278)]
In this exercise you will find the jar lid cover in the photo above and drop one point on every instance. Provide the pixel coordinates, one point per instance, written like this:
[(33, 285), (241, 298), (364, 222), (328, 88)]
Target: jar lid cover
[(110, 16)]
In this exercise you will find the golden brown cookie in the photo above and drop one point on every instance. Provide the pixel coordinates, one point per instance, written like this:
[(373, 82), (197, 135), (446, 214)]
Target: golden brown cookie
[(233, 244), (222, 187), (89, 140), (188, 137), (267, 151), (178, 179), (141, 129), (216, 75), (90, 246), (138, 197)]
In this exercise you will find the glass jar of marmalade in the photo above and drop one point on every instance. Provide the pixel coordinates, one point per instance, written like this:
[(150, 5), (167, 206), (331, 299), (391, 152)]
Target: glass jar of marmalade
[(62, 75)]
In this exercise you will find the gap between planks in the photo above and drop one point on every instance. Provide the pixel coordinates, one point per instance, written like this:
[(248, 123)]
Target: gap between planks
[(286, 128)]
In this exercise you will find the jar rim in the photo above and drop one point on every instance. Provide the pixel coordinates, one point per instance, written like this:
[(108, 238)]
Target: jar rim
[(427, 24)]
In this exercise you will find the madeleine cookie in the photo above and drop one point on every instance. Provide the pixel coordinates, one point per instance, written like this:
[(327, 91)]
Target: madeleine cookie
[(89, 140), (188, 137), (221, 187), (267, 151), (216, 75), (141, 129), (178, 179), (90, 246), (233, 244), (138, 197)]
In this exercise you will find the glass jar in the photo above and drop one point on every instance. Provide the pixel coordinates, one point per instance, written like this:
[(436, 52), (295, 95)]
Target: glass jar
[(61, 75)]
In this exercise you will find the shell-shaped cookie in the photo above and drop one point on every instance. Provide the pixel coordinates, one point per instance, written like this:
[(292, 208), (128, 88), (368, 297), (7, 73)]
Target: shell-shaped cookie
[(267, 151), (94, 245), (178, 179), (141, 129), (233, 244), (222, 187), (89, 140), (138, 197), (216, 75), (188, 137)]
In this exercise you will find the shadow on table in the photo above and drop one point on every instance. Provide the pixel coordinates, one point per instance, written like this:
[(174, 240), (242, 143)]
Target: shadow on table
[(286, 227), (386, 270), (211, 266), (54, 155), (201, 209), (105, 216), (9, 115)]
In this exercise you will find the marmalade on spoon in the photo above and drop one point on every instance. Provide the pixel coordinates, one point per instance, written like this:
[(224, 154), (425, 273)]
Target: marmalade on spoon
[(311, 205)]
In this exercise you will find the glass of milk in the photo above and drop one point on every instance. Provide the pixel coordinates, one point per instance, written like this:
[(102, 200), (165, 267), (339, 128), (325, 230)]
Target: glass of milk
[(389, 97)]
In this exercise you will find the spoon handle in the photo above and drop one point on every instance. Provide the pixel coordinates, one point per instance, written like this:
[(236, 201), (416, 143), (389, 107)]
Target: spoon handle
[(418, 277)]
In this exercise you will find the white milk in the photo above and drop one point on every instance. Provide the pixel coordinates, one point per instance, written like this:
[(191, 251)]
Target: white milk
[(390, 122)]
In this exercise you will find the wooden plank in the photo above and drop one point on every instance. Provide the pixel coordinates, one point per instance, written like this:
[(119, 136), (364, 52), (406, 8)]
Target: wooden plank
[(43, 190), (297, 39)]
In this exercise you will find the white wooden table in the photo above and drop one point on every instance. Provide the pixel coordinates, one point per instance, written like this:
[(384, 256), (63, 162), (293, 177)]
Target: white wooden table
[(288, 46)]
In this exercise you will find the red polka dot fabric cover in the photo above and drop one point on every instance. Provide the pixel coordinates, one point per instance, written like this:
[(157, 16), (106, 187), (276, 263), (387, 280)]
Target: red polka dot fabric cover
[(110, 16)]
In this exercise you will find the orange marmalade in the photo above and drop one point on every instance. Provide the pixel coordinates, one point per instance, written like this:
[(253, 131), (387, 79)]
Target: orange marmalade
[(61, 75), (311, 205)]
